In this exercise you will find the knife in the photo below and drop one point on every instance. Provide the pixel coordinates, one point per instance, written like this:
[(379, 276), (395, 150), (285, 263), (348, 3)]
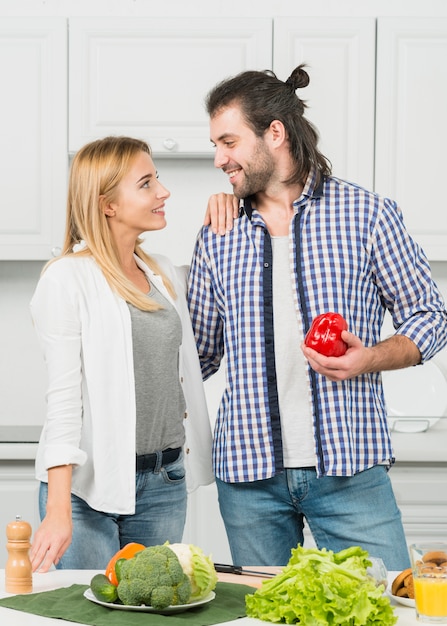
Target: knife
[(238, 569)]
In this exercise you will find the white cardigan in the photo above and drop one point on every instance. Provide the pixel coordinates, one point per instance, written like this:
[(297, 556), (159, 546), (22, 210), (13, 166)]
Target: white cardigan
[(84, 329)]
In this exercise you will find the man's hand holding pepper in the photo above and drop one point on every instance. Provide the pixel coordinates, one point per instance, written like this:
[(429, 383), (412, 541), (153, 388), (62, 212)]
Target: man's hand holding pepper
[(352, 363), (395, 352)]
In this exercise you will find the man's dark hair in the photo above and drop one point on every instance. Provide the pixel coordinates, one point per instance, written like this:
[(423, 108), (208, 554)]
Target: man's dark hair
[(263, 98)]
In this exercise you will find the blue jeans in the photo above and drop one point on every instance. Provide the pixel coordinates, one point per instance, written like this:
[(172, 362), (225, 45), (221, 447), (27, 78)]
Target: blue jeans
[(159, 516), (264, 519)]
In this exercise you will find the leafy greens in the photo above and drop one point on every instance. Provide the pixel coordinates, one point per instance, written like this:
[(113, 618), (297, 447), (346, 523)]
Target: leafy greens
[(321, 588)]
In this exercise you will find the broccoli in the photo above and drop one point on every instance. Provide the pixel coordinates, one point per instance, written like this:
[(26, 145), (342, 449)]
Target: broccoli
[(154, 577)]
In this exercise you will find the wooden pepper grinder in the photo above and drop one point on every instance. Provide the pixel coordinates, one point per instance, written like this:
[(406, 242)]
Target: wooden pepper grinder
[(18, 571)]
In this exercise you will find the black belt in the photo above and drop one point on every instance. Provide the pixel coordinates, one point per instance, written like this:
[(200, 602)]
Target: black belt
[(149, 461)]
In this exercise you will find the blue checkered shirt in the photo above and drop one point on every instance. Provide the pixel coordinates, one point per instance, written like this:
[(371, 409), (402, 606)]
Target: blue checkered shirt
[(349, 252)]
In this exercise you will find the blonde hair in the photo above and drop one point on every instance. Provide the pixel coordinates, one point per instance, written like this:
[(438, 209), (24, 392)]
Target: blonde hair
[(95, 173)]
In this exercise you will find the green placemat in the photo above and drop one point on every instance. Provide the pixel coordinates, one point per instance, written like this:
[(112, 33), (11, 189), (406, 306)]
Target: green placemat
[(69, 603)]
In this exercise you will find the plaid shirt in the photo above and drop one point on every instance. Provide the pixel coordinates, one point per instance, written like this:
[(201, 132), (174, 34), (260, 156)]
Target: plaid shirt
[(349, 252)]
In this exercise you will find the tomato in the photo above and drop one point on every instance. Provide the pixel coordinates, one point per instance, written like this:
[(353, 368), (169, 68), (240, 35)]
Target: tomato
[(324, 335), (127, 552)]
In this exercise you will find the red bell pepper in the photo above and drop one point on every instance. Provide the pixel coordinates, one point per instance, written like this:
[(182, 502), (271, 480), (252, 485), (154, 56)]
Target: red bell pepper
[(324, 335)]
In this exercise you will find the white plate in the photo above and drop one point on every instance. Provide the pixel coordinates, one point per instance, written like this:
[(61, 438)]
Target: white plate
[(404, 601), (179, 608)]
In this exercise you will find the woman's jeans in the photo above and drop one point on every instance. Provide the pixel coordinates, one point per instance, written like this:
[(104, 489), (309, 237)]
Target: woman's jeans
[(265, 519), (159, 517)]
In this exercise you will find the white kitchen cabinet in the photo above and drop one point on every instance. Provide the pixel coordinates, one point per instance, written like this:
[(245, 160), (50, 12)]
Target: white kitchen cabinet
[(33, 136), (18, 496), (421, 493), (411, 120), (340, 57), (149, 77), (382, 124)]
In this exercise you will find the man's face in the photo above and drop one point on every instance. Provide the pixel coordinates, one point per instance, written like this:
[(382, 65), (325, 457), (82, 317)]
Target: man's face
[(243, 156)]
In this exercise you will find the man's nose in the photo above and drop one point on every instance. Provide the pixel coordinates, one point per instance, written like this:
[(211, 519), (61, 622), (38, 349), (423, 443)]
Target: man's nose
[(220, 159)]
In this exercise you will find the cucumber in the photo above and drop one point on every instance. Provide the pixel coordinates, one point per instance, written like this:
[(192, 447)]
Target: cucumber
[(103, 589)]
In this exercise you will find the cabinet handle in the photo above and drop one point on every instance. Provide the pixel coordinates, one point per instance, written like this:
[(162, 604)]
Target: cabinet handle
[(169, 144), (56, 251)]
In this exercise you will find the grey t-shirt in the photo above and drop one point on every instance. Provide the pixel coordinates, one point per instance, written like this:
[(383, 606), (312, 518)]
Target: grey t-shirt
[(160, 404)]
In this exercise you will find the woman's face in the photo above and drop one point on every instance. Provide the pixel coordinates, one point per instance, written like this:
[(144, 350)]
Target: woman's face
[(140, 201)]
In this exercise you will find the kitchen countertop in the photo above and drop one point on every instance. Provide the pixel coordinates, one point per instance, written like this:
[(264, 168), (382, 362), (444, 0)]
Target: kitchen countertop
[(19, 443), (18, 451), (64, 578), (419, 446), (20, 434)]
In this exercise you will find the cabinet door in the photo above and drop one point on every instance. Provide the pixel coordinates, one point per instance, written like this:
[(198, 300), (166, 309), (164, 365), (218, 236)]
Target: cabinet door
[(412, 124), (148, 77), (421, 493), (340, 58), (33, 136)]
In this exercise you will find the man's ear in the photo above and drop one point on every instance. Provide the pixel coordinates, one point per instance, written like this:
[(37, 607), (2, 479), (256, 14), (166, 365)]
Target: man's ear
[(277, 133), (106, 208)]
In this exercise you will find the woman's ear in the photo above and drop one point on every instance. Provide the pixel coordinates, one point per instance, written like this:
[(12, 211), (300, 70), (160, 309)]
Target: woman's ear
[(106, 208)]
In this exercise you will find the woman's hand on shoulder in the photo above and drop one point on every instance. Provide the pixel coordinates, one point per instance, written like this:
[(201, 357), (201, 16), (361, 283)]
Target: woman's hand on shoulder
[(222, 209)]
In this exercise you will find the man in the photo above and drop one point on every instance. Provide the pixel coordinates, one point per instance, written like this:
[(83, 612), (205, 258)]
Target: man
[(300, 436)]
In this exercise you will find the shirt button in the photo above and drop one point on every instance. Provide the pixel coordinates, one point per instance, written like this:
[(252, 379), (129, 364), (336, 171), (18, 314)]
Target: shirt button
[(266, 264), (185, 414)]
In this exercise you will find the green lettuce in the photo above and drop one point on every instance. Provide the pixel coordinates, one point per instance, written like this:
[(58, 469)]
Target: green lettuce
[(321, 588)]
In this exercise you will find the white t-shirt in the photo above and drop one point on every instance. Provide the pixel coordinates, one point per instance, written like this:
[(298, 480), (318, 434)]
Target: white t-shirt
[(291, 366)]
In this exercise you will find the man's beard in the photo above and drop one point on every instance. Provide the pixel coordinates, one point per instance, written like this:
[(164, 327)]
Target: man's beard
[(257, 175)]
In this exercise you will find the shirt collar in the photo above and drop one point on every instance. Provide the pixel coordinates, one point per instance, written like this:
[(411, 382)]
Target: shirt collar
[(310, 191)]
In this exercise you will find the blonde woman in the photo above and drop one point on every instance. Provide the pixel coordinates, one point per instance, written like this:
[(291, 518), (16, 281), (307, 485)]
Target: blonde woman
[(125, 388)]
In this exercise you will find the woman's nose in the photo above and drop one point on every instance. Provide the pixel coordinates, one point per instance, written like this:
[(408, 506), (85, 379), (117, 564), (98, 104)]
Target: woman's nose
[(163, 191)]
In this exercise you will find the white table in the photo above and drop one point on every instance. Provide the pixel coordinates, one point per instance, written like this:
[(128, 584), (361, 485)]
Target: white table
[(65, 578)]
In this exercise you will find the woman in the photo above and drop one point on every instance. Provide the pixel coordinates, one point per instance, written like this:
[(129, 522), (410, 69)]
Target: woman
[(124, 378)]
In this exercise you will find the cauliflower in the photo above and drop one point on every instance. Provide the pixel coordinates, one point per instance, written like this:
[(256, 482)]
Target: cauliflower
[(198, 567), (153, 577)]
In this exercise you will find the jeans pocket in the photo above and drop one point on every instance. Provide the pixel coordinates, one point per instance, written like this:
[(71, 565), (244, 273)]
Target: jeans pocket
[(174, 472)]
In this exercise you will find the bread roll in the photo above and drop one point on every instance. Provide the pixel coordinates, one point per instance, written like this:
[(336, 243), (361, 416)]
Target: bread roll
[(402, 585)]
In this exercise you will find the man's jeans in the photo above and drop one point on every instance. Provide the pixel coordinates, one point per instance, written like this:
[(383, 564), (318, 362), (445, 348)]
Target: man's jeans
[(265, 519)]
